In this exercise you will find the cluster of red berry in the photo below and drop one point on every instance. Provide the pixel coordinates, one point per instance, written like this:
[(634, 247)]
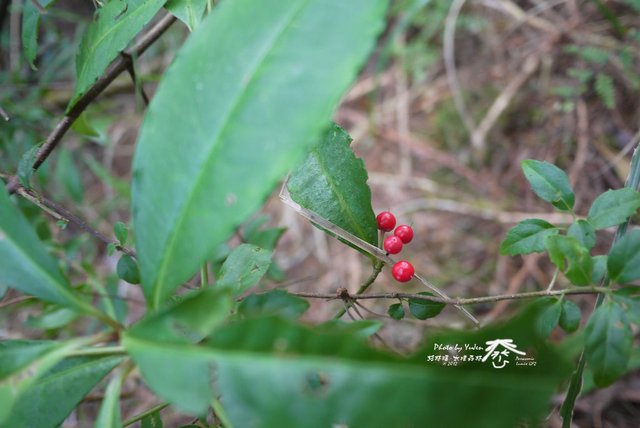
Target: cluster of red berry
[(402, 271)]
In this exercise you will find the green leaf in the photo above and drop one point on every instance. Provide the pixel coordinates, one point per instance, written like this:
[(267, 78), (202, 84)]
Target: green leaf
[(527, 237), (362, 329), (264, 238), (550, 183), (68, 175), (54, 318), (244, 267), (24, 362), (275, 302), (599, 269), (116, 24), (25, 166), (579, 263), (423, 309), (154, 421), (606, 90), (549, 316), (83, 126), (396, 311), (608, 341), (613, 207), (121, 232), (30, 27), (127, 269), (623, 262), (50, 399), (188, 11), (251, 103), (188, 320), (25, 264), (570, 316), (628, 298), (318, 378), (109, 415), (584, 233), (111, 248), (333, 183)]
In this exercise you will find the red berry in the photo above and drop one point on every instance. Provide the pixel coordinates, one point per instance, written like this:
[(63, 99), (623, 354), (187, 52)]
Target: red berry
[(404, 232), (386, 221), (392, 244), (403, 271)]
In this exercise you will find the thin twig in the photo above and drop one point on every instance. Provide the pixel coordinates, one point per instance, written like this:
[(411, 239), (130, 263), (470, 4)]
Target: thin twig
[(377, 268), (20, 299), (460, 301), (118, 66), (61, 213)]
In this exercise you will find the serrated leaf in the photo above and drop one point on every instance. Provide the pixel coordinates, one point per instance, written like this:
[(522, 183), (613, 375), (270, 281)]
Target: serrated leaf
[(613, 207), (25, 264), (251, 103), (30, 28), (584, 233), (127, 269), (550, 183), (527, 237), (50, 399), (25, 166), (396, 311), (570, 316), (275, 302), (333, 183), (309, 371), (244, 268), (121, 232), (423, 309), (68, 175), (568, 254), (188, 11), (623, 261), (608, 341), (114, 26), (548, 318)]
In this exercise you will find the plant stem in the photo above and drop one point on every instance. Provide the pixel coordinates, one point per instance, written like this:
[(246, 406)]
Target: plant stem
[(204, 275), (453, 301), (103, 350), (575, 386), (377, 268), (144, 414), (117, 67)]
